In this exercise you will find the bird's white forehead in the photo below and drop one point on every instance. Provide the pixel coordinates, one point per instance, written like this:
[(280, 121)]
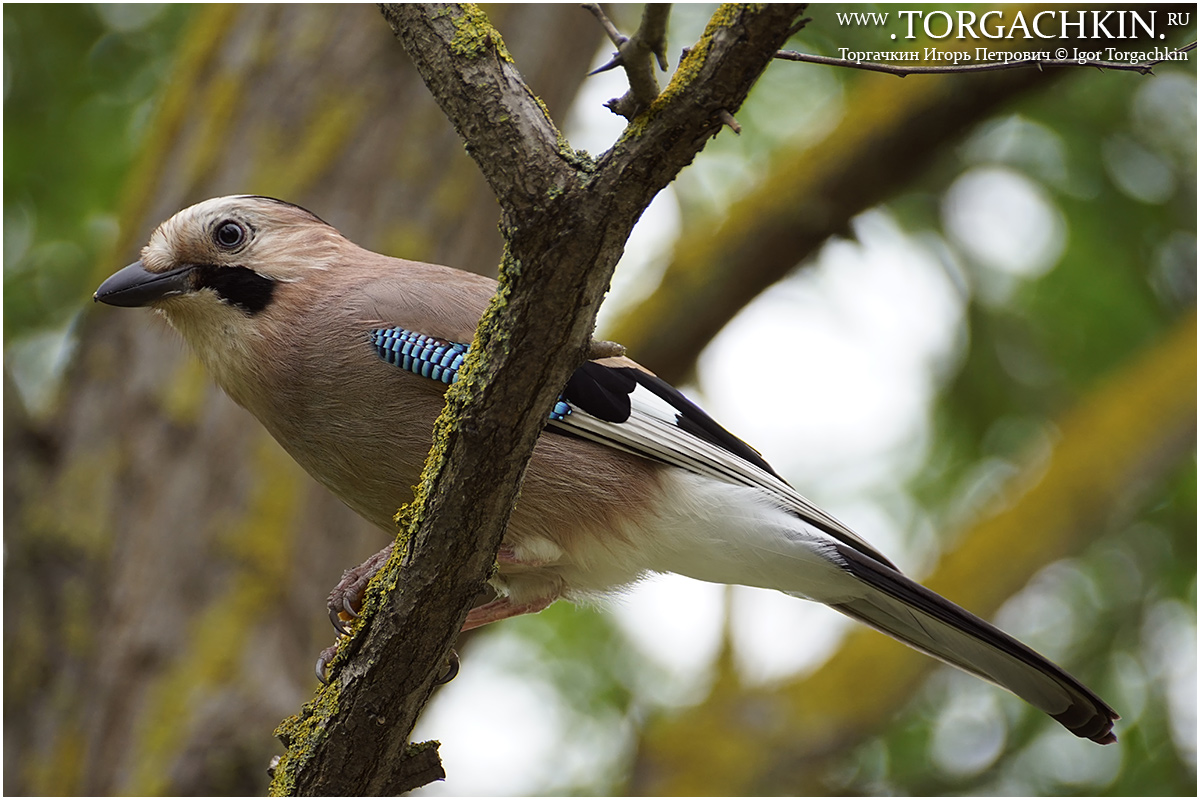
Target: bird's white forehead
[(280, 228), (257, 211)]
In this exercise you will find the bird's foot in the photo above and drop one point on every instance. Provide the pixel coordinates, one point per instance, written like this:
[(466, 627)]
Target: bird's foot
[(345, 601), (451, 669)]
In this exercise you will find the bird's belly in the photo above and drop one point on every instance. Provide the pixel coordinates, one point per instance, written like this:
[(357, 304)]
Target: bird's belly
[(693, 525)]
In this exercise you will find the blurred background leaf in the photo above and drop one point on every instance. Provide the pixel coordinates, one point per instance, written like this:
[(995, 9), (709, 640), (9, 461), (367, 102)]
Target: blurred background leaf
[(81, 85)]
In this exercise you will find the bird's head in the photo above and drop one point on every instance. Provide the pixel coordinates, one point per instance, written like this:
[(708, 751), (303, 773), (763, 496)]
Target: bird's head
[(228, 252), (227, 273)]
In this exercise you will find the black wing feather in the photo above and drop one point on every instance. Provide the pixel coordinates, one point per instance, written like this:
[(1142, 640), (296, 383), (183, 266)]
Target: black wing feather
[(604, 391), (697, 422), (601, 391)]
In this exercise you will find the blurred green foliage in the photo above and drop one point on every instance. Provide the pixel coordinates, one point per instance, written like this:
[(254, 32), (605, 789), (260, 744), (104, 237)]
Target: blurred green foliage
[(81, 83), (1126, 272)]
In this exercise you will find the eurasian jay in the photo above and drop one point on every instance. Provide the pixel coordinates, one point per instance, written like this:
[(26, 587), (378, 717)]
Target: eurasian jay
[(344, 356)]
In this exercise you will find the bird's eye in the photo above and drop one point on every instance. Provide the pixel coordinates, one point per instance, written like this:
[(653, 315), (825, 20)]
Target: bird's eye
[(229, 234)]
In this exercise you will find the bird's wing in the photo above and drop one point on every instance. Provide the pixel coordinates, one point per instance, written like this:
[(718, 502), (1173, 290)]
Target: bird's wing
[(424, 298), (629, 409)]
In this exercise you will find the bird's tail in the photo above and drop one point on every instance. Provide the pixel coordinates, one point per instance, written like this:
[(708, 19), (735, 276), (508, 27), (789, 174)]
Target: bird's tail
[(907, 611)]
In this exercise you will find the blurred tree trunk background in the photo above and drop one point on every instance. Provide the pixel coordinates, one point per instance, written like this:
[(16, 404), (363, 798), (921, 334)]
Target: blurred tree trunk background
[(166, 563)]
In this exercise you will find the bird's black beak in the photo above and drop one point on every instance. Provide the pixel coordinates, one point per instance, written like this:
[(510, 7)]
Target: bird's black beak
[(137, 286)]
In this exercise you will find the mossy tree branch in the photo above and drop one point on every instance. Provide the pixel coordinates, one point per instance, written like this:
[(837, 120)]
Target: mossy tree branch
[(565, 220)]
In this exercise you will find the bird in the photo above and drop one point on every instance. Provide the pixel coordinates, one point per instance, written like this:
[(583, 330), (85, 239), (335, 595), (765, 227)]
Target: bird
[(344, 356)]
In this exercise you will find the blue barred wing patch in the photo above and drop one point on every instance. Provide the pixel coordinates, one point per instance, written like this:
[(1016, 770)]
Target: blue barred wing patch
[(433, 358), (561, 410), (419, 354)]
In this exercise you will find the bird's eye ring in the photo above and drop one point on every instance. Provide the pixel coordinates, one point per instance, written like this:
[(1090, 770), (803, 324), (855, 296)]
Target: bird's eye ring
[(229, 235)]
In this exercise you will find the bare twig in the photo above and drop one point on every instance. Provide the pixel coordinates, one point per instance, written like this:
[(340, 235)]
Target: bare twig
[(812, 194), (633, 54), (614, 35), (1143, 67), (798, 26)]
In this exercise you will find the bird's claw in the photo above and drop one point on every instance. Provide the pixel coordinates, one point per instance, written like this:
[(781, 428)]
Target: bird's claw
[(451, 669), (323, 662), (340, 625), (344, 606)]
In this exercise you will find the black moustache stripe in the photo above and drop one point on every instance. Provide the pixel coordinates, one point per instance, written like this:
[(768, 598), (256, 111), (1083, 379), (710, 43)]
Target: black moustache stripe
[(237, 286)]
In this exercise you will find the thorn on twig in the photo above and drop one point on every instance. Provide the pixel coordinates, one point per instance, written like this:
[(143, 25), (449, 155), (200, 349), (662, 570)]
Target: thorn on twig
[(731, 123), (613, 63), (653, 31)]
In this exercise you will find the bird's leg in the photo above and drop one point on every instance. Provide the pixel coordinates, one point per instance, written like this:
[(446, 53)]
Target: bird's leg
[(531, 555), (509, 557), (345, 600), (503, 608)]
